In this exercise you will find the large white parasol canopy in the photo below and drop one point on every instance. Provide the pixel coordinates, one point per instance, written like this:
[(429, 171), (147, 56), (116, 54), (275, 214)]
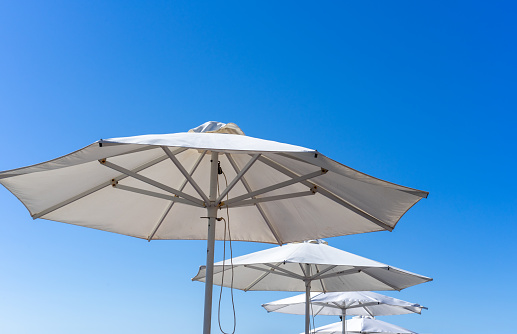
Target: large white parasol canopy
[(165, 187)]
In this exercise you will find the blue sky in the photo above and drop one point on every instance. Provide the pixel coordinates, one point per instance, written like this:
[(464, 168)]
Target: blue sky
[(417, 93)]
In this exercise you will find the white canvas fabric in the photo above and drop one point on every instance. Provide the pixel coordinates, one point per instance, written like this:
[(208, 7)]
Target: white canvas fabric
[(364, 303), (78, 189), (363, 325), (340, 271)]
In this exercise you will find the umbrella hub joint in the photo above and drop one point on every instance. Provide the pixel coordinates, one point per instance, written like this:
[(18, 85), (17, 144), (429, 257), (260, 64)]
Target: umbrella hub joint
[(211, 211), (216, 218)]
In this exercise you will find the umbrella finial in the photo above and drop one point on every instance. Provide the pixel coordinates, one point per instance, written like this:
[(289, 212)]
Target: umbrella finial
[(317, 241), (311, 241), (218, 127)]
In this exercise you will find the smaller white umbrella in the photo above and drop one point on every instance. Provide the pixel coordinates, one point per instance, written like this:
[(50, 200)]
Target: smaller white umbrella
[(307, 266), (362, 325), (362, 303)]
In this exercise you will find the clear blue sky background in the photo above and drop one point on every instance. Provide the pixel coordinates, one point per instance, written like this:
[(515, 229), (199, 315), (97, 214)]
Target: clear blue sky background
[(420, 93)]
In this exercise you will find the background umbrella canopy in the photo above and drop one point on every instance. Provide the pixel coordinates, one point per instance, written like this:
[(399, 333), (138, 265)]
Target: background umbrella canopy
[(364, 303), (279, 269), (90, 188), (363, 325)]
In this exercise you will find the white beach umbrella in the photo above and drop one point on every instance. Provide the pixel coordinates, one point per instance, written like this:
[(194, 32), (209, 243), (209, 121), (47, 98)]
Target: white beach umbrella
[(307, 266), (365, 303), (158, 187), (362, 303), (363, 325)]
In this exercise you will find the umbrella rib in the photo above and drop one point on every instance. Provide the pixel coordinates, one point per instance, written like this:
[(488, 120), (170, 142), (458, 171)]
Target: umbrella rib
[(255, 282), (364, 304), (100, 186), (184, 183), (330, 305), (274, 269), (155, 194), (276, 310), (411, 191), (271, 198), (327, 193), (319, 311), (259, 207), (314, 277), (285, 271), (160, 221), (367, 310), (186, 174), (408, 308), (354, 209), (318, 272), (70, 200), (15, 172), (381, 280), (341, 273), (150, 181), (271, 271), (305, 273), (239, 175), (294, 180), (323, 286), (285, 155)]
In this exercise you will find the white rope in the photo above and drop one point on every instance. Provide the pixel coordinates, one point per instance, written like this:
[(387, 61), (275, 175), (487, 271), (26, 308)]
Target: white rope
[(313, 316), (224, 259), (312, 310)]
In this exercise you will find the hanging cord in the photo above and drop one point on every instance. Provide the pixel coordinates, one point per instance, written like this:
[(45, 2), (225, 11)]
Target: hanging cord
[(224, 259), (312, 310), (313, 316)]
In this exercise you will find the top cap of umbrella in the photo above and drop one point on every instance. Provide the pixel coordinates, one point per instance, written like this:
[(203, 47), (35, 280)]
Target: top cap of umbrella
[(312, 241), (218, 127)]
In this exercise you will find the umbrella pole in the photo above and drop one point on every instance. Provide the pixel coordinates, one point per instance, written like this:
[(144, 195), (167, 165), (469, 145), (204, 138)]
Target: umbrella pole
[(344, 320), (307, 298), (307, 306), (210, 244)]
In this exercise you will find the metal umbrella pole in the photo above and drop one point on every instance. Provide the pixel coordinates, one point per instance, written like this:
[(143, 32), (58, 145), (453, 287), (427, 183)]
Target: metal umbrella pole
[(344, 320), (307, 306), (212, 215)]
